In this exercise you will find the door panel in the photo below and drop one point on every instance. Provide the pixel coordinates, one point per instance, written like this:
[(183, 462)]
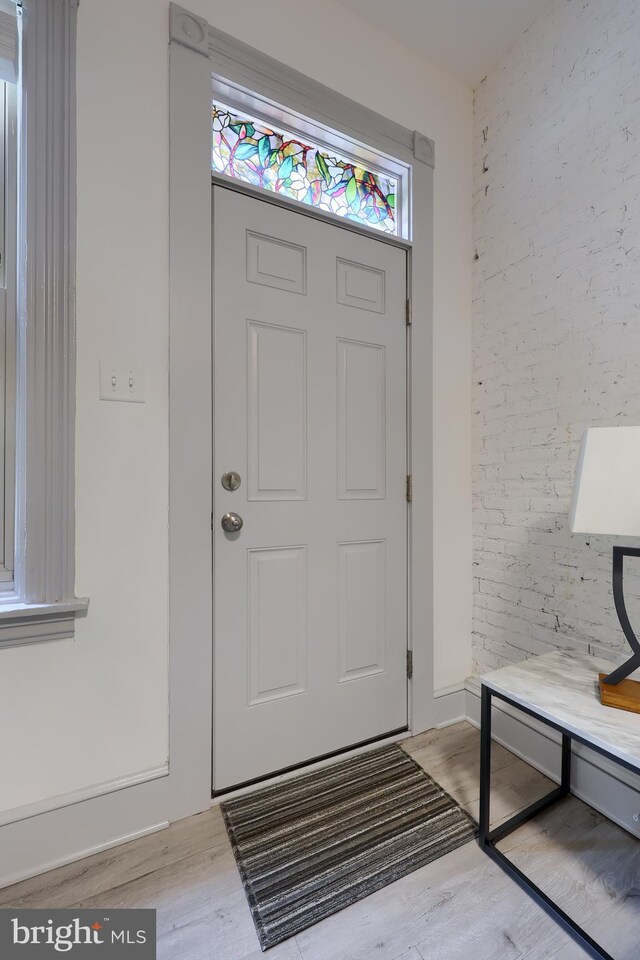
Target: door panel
[(276, 263), (362, 409), (277, 623), (310, 400), (362, 608), (277, 397), (360, 286)]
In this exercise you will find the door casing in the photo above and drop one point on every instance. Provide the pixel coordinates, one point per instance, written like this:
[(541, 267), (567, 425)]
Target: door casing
[(198, 55)]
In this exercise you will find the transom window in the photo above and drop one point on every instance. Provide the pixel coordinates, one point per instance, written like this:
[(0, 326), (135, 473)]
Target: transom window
[(274, 159)]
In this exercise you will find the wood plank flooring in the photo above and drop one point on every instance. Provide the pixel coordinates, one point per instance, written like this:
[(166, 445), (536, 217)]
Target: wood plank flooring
[(462, 907)]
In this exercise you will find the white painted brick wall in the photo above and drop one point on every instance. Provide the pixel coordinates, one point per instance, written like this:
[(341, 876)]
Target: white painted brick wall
[(556, 322)]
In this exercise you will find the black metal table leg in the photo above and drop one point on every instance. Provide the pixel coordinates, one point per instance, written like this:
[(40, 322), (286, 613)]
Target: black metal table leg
[(485, 767), (565, 779), (488, 838)]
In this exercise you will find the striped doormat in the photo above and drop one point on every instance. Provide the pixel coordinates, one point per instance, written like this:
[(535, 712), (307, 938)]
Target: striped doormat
[(310, 846)]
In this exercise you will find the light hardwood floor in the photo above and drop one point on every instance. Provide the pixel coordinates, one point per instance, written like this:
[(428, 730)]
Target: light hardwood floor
[(462, 907)]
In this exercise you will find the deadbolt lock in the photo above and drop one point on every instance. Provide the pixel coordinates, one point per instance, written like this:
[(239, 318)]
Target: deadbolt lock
[(231, 480)]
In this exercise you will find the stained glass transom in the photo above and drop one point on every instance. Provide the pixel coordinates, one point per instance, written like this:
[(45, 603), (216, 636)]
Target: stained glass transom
[(249, 150)]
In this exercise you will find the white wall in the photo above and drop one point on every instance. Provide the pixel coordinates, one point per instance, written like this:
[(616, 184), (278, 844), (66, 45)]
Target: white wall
[(556, 334), (92, 709)]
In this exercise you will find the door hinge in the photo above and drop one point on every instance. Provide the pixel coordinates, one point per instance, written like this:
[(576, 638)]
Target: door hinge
[(409, 488), (409, 664), (408, 311)]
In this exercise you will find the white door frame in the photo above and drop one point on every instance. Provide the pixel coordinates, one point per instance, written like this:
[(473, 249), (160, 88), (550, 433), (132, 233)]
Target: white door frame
[(198, 52)]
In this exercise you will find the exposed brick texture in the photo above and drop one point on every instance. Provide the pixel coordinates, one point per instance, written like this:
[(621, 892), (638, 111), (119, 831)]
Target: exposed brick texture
[(556, 322)]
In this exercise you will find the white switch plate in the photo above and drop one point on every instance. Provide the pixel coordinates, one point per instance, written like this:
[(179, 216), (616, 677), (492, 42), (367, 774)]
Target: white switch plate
[(122, 381)]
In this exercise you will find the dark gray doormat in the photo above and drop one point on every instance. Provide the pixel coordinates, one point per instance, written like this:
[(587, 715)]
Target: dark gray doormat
[(310, 846)]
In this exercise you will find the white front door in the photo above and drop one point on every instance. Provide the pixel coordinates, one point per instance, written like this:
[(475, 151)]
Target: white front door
[(310, 595)]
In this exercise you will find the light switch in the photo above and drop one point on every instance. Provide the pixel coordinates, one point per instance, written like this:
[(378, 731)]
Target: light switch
[(122, 381)]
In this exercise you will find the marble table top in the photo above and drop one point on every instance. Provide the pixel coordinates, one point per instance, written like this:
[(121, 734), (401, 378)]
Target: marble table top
[(562, 686)]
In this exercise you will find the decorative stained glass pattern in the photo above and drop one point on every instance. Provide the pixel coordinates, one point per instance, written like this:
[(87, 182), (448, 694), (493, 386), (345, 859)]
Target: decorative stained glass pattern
[(278, 161)]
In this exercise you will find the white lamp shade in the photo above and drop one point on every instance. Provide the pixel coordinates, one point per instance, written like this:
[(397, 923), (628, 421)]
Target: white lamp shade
[(606, 491)]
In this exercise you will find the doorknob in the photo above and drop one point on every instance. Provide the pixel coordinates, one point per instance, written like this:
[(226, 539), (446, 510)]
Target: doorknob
[(232, 522)]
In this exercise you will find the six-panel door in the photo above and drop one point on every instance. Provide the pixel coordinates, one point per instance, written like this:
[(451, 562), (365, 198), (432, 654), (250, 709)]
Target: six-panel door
[(310, 597)]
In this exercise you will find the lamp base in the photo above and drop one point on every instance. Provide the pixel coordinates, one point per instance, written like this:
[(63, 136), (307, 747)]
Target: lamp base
[(624, 695)]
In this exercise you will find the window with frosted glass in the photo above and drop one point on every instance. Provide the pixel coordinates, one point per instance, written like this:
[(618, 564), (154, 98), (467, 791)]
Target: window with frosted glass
[(249, 150)]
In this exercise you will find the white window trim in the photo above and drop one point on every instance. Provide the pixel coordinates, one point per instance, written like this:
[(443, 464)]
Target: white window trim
[(8, 228), (43, 604)]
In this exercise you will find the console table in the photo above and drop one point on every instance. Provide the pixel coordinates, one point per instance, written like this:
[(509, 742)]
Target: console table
[(560, 689)]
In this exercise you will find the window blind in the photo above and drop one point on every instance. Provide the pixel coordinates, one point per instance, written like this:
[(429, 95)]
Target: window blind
[(8, 43)]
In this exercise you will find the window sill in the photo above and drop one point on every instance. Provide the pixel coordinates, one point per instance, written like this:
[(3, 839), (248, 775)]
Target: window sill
[(35, 622)]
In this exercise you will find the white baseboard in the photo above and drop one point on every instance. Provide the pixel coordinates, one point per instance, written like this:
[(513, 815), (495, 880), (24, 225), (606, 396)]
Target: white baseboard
[(43, 841), (78, 796), (450, 703), (603, 784), (9, 879)]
